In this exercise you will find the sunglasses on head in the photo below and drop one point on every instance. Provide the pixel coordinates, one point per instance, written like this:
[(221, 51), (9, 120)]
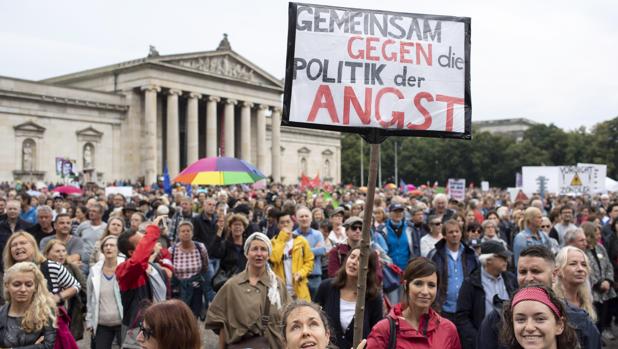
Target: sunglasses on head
[(146, 332), (356, 227)]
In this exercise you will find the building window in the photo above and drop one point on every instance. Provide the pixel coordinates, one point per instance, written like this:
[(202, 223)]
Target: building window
[(303, 166), (326, 169), (88, 156), (28, 155)]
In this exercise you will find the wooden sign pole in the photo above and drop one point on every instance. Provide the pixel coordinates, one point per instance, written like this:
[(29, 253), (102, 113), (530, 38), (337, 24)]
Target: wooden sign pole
[(365, 250)]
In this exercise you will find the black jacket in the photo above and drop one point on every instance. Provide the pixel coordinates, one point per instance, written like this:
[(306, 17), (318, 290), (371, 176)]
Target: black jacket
[(205, 231), (14, 336), (230, 256), (329, 297), (471, 305)]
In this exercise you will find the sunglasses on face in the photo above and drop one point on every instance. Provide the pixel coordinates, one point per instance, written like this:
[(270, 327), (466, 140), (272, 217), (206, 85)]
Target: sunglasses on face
[(356, 227), (146, 332), (436, 223), (545, 226)]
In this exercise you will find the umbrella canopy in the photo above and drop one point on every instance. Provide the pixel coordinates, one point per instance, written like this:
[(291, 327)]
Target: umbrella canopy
[(67, 190), (222, 170)]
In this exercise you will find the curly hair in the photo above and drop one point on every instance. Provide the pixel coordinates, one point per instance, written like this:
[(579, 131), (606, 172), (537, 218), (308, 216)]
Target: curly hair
[(568, 337), (42, 309), (7, 257)]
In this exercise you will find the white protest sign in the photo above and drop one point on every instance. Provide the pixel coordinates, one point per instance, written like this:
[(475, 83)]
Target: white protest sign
[(126, 191), (535, 178), (575, 180), (356, 70), (484, 185), (457, 189), (599, 172)]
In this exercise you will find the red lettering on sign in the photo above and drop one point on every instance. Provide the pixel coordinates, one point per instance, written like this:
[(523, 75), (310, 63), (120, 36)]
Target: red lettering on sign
[(323, 99)]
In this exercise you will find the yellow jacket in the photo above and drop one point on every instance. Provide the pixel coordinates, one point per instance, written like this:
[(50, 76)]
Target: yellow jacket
[(302, 262)]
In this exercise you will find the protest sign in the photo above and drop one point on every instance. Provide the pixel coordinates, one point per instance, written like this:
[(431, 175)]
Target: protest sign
[(457, 189), (368, 71), (598, 175), (126, 191), (575, 180), (537, 179), (484, 185)]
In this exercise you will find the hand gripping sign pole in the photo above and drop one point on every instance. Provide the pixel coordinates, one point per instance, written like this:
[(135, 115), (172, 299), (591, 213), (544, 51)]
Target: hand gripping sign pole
[(379, 74)]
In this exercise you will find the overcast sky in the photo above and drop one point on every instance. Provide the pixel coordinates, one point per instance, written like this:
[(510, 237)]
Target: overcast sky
[(549, 61)]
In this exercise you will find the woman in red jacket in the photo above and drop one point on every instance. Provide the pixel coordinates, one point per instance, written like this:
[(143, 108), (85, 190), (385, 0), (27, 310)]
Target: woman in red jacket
[(416, 324)]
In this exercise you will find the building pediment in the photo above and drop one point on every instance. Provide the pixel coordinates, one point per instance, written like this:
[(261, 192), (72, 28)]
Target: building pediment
[(89, 134), (226, 64), (327, 152), (304, 150), (29, 129)]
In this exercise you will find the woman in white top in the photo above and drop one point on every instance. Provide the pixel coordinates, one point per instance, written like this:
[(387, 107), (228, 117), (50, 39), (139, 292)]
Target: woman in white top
[(435, 234), (104, 315)]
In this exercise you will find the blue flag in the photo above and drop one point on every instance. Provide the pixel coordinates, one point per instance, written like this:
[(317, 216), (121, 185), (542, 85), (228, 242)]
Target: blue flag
[(403, 186), (189, 190), (167, 184)]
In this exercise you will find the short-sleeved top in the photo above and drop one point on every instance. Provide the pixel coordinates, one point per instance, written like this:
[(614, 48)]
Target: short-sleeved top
[(189, 263)]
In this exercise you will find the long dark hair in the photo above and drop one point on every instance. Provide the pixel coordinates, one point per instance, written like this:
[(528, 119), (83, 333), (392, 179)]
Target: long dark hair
[(372, 285), (420, 267), (567, 339)]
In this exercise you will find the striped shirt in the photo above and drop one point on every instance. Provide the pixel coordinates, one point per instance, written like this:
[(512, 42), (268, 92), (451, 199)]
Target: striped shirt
[(60, 278)]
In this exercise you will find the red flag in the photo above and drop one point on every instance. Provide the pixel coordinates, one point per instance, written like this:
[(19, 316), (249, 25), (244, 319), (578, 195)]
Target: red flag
[(316, 181), (304, 181)]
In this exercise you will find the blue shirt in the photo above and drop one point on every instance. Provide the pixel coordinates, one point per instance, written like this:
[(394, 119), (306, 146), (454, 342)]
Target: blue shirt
[(524, 239), (314, 238), (492, 286), (29, 216), (455, 279)]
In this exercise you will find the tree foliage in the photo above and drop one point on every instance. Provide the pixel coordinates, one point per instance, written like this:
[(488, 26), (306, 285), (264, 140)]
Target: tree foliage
[(487, 157)]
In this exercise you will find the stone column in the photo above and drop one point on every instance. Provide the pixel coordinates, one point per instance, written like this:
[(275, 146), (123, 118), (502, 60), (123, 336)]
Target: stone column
[(261, 136), (211, 126), (173, 133), (150, 134), (245, 129), (192, 128), (229, 128), (276, 145)]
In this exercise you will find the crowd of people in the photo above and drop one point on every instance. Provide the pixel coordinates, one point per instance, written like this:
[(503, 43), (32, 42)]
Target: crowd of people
[(278, 267)]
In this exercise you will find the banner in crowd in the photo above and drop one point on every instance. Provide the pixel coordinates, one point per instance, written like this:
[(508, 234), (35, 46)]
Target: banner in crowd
[(457, 189), (564, 180), (65, 167), (126, 191), (356, 70)]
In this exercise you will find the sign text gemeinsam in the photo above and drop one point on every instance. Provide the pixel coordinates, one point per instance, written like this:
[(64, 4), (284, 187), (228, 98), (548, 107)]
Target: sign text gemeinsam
[(355, 70)]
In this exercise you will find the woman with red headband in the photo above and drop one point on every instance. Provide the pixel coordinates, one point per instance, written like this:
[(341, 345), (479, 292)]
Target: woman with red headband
[(536, 319)]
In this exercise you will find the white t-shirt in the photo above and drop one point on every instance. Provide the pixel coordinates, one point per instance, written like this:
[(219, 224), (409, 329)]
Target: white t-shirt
[(287, 266), (428, 243), (346, 313), (454, 254)]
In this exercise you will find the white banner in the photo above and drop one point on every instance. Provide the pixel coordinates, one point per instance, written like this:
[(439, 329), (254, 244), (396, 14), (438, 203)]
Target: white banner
[(599, 172), (457, 189), (126, 191), (353, 70)]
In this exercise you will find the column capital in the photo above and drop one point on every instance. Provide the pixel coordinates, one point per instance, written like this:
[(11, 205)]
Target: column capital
[(151, 87), (246, 104), (231, 101), (195, 95), (173, 91), (277, 110), (213, 99), (262, 107)]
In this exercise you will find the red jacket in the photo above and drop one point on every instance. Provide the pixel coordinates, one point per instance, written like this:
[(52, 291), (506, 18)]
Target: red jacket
[(435, 332)]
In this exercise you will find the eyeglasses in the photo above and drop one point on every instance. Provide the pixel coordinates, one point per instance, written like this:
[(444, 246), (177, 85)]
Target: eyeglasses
[(436, 223), (356, 227), (146, 332), (545, 226)]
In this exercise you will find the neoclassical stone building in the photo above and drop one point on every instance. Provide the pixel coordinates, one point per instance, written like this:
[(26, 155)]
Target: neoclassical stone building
[(131, 119)]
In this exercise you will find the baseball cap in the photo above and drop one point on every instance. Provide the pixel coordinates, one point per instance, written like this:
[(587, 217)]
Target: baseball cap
[(396, 207), (338, 210), (352, 220), (495, 247)]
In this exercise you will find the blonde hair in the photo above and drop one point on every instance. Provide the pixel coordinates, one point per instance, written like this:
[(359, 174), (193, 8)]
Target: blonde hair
[(7, 257), (583, 291), (42, 309), (529, 214), (50, 245)]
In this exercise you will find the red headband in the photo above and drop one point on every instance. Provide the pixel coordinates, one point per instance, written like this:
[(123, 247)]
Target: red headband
[(535, 294)]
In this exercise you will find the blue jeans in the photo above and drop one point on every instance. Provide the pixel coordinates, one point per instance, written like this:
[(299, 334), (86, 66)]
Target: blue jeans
[(213, 266), (313, 281)]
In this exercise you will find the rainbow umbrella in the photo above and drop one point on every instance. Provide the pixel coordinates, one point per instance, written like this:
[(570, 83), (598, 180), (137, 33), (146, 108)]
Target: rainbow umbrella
[(222, 170)]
